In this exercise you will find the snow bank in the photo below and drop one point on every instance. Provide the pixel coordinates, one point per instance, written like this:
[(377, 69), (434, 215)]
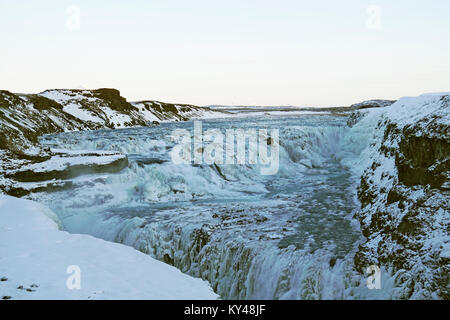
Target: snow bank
[(35, 255), (61, 163)]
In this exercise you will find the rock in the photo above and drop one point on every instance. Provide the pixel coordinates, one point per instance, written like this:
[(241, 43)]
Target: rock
[(354, 117), (376, 103)]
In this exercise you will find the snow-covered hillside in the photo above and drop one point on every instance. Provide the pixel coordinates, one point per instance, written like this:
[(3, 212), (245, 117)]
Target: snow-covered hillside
[(36, 259), (24, 117), (404, 192), (160, 111)]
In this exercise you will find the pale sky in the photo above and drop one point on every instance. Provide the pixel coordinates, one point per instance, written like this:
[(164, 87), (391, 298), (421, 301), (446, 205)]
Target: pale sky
[(234, 52)]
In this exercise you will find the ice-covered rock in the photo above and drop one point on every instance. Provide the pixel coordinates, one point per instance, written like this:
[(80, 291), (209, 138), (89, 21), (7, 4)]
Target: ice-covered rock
[(66, 166), (22, 176)]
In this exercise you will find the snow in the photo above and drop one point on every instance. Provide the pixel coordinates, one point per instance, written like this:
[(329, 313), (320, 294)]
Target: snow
[(72, 105), (60, 95), (423, 116), (119, 119), (192, 113), (409, 110), (148, 115), (85, 115), (367, 134), (60, 163), (36, 255)]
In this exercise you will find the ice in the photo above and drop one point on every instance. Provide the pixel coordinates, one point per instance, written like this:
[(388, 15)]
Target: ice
[(285, 237)]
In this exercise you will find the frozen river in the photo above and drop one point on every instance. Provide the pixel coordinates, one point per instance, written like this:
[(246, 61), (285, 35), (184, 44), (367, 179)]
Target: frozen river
[(285, 236)]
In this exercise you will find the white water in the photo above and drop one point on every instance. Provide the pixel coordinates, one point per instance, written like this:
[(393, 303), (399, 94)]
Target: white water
[(288, 236)]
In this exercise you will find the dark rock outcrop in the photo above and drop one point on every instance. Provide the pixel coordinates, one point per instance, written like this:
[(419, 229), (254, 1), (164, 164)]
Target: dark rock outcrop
[(376, 103)]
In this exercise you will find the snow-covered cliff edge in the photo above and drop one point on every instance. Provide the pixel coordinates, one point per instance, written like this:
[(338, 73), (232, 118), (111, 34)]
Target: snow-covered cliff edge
[(404, 193)]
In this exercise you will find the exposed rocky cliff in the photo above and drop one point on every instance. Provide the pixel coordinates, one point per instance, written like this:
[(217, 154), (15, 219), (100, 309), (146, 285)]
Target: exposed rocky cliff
[(404, 195)]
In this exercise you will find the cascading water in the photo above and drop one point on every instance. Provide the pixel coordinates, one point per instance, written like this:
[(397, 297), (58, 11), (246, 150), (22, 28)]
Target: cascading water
[(286, 236)]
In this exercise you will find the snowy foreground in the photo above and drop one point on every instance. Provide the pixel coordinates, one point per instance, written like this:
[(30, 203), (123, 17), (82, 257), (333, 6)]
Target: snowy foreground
[(36, 255)]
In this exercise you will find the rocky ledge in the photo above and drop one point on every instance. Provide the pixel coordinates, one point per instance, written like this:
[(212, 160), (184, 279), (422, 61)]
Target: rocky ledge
[(58, 172)]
